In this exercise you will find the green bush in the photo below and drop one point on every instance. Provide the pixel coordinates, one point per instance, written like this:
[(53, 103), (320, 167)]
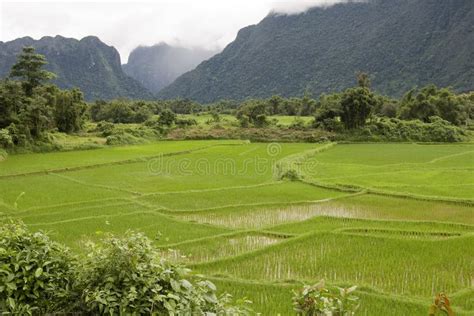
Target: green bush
[(36, 274), (6, 140), (121, 111), (384, 129), (105, 128), (297, 124), (126, 276), (122, 139), (126, 135), (183, 123), (320, 300), (167, 118), (119, 276)]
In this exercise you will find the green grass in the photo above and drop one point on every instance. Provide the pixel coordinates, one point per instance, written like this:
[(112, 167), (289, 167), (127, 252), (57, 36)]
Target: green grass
[(217, 247), (242, 165), (205, 119), (26, 163), (272, 299), (288, 120), (228, 120), (275, 194), (442, 171), (392, 265), (328, 224), (49, 190), (221, 207), (73, 224)]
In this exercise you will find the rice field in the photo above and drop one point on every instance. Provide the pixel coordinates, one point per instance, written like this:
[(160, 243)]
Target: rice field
[(431, 171), (395, 219)]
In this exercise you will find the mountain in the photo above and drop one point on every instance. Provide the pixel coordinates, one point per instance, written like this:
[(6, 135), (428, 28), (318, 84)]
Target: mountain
[(88, 64), (400, 43), (157, 66)]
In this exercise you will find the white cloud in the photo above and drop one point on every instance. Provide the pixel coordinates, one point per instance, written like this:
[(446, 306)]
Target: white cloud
[(300, 6), (208, 24)]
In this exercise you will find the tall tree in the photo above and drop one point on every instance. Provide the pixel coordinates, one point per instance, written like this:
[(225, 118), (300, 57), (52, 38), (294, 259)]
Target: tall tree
[(308, 105), (12, 99), (69, 111), (357, 105), (28, 69), (35, 118)]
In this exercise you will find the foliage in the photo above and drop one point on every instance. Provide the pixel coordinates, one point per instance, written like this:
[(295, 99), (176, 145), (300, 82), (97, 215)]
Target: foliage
[(122, 111), (6, 140), (29, 69), (105, 128), (183, 122), (298, 123), (436, 130), (126, 276), (181, 106), (167, 118), (30, 109), (319, 300), (357, 105), (69, 111), (254, 112), (431, 101), (266, 134), (117, 134), (328, 113), (118, 276), (122, 138), (36, 274)]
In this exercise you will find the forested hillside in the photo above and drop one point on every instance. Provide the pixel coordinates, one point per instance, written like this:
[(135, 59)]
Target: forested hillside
[(157, 66), (400, 43), (88, 64)]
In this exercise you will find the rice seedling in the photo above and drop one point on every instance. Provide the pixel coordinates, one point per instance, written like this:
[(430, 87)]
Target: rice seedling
[(442, 171), (218, 247), (392, 265), (266, 216), (29, 163)]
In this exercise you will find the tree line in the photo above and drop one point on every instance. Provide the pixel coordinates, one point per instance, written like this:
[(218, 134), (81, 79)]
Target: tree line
[(355, 107), (31, 108)]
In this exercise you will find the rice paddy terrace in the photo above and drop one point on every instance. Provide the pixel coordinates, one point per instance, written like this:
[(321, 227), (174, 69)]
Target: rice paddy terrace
[(262, 219)]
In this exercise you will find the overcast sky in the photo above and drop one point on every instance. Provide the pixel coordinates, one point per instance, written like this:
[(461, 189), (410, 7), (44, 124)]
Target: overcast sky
[(210, 24)]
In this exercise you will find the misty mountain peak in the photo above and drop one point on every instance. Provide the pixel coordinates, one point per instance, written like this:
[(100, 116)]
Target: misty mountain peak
[(400, 43), (157, 66)]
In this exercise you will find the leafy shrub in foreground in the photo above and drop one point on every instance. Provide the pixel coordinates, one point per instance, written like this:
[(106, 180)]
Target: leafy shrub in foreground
[(119, 276), (126, 276), (36, 273), (319, 300)]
